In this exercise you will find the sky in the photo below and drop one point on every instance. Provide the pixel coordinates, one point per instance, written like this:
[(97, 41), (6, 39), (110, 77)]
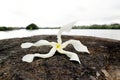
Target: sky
[(55, 13)]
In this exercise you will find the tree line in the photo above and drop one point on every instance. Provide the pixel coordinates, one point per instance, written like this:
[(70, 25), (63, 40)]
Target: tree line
[(33, 26), (96, 26)]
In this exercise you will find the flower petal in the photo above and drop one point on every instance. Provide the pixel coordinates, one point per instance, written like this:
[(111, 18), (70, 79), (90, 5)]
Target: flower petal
[(38, 43), (28, 58), (26, 45), (71, 55), (77, 45), (50, 54), (41, 43), (66, 28)]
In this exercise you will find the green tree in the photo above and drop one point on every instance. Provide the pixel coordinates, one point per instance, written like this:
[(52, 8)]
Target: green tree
[(32, 27)]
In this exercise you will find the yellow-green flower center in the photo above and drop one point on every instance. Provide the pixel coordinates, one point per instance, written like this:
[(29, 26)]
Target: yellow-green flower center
[(58, 45)]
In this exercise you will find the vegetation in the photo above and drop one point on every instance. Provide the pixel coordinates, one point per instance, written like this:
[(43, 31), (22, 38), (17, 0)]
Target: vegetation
[(95, 26), (6, 28), (32, 27)]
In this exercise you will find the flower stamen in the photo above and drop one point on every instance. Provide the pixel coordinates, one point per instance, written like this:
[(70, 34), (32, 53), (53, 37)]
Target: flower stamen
[(58, 45)]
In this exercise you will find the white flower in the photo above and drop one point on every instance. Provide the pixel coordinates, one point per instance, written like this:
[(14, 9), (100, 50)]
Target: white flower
[(56, 46)]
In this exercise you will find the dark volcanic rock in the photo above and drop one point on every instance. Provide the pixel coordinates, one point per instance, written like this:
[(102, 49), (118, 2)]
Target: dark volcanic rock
[(102, 64)]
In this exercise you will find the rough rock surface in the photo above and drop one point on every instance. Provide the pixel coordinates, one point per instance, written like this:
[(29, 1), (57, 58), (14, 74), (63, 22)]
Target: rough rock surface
[(103, 62)]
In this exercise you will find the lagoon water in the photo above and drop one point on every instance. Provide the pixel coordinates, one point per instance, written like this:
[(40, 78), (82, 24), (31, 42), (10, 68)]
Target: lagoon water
[(111, 34)]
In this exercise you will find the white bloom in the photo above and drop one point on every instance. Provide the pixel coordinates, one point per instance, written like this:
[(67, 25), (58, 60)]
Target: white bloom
[(56, 46)]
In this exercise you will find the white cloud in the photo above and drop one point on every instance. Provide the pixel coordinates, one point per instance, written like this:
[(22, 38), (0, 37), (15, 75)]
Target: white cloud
[(58, 12)]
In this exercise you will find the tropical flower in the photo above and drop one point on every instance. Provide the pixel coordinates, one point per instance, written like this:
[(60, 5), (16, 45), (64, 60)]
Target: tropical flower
[(56, 46)]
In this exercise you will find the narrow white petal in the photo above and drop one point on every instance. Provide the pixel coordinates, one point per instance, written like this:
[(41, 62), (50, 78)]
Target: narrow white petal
[(38, 43), (50, 54), (71, 55), (65, 28), (77, 45), (41, 43), (26, 45), (28, 58)]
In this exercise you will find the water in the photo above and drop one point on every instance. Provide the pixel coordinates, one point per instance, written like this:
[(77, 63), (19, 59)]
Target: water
[(111, 34)]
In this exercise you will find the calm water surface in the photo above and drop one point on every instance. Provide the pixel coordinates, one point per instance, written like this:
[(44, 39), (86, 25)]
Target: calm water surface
[(112, 34)]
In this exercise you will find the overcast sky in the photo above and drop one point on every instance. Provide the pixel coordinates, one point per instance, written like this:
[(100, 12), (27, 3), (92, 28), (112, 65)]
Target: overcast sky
[(58, 12)]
